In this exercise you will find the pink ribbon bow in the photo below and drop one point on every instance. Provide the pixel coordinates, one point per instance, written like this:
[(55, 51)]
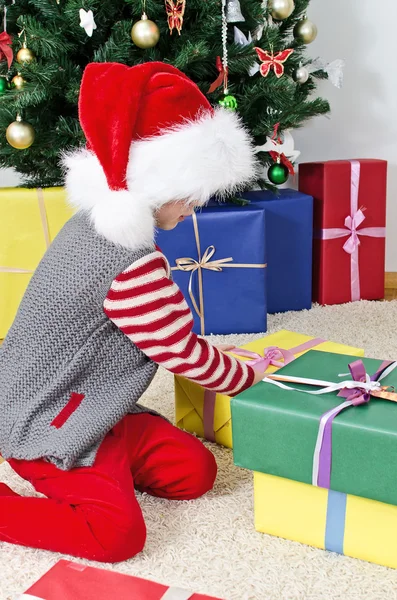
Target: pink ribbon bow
[(352, 224), (272, 356)]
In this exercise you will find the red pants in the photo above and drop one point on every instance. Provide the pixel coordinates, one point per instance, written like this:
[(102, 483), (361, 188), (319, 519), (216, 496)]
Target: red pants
[(92, 512)]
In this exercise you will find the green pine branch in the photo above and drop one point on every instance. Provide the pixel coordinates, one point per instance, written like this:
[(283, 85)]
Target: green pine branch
[(62, 48)]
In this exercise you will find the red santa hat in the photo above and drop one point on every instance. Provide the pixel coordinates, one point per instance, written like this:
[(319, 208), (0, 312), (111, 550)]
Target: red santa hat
[(152, 137)]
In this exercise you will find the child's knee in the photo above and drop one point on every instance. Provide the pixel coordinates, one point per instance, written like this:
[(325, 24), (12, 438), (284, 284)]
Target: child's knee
[(203, 473), (124, 545)]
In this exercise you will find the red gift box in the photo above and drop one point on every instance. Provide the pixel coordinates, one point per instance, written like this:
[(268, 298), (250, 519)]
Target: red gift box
[(72, 581), (349, 228)]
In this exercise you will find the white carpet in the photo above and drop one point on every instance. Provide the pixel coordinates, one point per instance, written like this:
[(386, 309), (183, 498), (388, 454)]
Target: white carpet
[(210, 545)]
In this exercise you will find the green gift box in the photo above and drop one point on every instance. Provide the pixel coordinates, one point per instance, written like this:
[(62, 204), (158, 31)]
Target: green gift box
[(277, 431)]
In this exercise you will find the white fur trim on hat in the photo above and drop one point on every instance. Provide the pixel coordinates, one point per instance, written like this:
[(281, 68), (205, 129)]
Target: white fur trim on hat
[(192, 162)]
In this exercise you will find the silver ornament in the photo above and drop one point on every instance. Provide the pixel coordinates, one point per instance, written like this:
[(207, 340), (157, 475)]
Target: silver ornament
[(281, 9), (300, 75), (305, 31), (233, 12)]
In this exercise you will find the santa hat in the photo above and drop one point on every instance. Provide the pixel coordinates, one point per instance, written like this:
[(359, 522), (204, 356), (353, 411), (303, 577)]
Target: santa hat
[(152, 137)]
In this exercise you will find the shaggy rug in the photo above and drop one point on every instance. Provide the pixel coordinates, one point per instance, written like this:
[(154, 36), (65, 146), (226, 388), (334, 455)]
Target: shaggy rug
[(210, 545)]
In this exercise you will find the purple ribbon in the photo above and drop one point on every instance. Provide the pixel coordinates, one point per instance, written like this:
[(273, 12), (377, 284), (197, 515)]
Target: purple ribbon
[(322, 460)]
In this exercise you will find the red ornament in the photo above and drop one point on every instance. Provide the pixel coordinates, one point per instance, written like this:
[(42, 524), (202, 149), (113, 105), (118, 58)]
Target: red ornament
[(175, 12), (271, 60), (222, 77), (5, 48)]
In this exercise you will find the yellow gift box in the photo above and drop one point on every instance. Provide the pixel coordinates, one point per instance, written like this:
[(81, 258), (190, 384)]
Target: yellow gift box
[(325, 519), (30, 220), (192, 401)]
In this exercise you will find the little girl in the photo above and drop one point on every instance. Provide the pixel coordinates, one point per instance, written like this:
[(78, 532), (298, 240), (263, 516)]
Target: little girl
[(101, 313)]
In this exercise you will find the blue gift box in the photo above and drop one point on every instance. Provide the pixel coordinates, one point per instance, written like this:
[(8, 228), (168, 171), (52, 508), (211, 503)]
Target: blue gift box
[(233, 298), (289, 239)]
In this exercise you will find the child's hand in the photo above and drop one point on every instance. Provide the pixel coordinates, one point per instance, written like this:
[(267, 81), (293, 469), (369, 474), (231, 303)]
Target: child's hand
[(259, 375), (225, 347)]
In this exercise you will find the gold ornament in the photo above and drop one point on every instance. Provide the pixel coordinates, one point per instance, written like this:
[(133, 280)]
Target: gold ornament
[(281, 9), (305, 31), (19, 134), (145, 33), (18, 81), (25, 55)]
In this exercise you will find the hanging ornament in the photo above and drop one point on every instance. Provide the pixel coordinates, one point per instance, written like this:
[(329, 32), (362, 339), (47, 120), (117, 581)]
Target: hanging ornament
[(5, 42), (281, 9), (273, 61), (273, 111), (282, 167), (175, 11), (24, 55), (87, 21), (333, 69), (241, 40), (4, 85), (221, 77), (283, 147), (300, 75), (229, 102), (19, 134), (233, 12), (305, 31), (145, 33), (5, 48), (18, 81), (278, 173)]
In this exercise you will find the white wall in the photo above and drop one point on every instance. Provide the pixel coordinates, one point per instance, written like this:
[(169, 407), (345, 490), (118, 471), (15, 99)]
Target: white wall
[(9, 178), (363, 121)]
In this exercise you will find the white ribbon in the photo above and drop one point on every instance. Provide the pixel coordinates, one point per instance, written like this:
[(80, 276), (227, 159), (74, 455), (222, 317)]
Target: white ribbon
[(327, 386), (174, 593)]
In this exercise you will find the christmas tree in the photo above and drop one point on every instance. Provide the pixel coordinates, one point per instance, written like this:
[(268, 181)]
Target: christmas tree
[(248, 55)]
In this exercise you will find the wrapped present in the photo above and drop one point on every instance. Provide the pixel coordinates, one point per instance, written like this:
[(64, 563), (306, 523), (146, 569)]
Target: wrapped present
[(218, 260), (349, 228), (326, 519), (68, 580), (30, 219), (208, 415), (289, 241), (324, 419)]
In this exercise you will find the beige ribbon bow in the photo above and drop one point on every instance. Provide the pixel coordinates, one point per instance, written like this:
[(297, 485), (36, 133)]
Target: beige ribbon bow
[(191, 265)]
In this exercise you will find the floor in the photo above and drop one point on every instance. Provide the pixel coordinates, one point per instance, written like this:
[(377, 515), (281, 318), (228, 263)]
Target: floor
[(391, 286), (210, 545)]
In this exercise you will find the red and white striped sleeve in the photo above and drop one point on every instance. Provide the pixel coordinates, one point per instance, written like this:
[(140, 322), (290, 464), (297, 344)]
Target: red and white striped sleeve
[(150, 309)]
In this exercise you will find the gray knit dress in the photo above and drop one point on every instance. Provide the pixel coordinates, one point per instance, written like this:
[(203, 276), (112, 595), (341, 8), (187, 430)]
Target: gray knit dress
[(67, 373)]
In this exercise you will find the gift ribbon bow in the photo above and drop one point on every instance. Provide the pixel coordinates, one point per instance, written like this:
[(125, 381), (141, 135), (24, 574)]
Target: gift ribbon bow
[(5, 48), (222, 77), (272, 356), (273, 61), (44, 223), (357, 390), (351, 229), (175, 12), (192, 266)]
